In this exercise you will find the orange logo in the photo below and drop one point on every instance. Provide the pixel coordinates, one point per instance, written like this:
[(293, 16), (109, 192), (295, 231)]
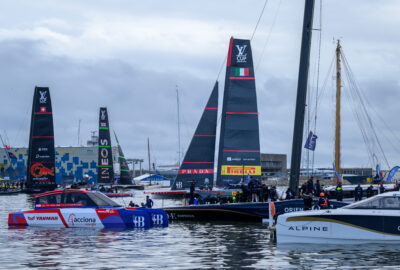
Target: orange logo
[(38, 170), (238, 170)]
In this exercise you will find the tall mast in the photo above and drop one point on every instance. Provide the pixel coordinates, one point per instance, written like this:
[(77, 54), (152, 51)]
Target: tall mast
[(148, 152), (179, 128), (337, 130), (301, 95)]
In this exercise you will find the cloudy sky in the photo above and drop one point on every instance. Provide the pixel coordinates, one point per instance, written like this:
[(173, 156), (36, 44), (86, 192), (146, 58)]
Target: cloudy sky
[(130, 56)]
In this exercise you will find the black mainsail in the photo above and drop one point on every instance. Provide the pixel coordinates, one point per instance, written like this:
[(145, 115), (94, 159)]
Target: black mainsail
[(125, 177), (198, 164), (105, 171), (239, 145), (41, 154)]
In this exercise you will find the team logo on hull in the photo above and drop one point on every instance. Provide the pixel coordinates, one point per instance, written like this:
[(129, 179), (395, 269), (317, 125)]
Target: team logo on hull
[(43, 98), (196, 171), (241, 57), (39, 170), (157, 219), (238, 170), (138, 222)]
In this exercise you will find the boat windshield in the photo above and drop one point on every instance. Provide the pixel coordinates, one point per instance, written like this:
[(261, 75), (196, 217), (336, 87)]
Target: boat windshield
[(389, 203), (102, 200)]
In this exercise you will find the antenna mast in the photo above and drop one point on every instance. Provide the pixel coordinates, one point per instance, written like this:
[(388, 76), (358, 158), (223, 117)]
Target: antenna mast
[(337, 130)]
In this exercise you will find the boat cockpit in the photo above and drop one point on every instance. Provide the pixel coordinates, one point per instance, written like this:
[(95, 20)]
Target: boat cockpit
[(73, 198)]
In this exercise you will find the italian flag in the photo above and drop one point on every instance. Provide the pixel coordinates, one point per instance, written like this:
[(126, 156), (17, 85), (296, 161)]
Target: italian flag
[(241, 72)]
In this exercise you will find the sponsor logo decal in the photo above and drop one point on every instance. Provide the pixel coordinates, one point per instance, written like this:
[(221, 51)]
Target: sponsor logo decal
[(45, 218), (103, 115), (238, 170), (42, 109), (72, 219), (196, 171), (43, 98), (41, 149), (157, 219), (138, 222), (39, 156), (308, 228), (241, 57), (39, 170), (292, 209), (31, 218), (103, 124)]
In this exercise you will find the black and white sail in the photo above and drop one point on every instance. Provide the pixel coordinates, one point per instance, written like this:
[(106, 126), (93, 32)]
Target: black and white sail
[(41, 153), (125, 177), (198, 164), (105, 171), (239, 146)]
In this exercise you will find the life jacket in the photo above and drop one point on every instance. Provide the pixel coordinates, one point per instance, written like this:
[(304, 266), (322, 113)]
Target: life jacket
[(325, 202)]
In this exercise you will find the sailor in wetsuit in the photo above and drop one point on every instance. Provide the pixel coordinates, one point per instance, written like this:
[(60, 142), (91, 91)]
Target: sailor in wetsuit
[(323, 201)]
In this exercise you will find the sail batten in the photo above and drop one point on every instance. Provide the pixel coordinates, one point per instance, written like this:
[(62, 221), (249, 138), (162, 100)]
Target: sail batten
[(239, 145), (198, 163), (105, 170), (41, 154)]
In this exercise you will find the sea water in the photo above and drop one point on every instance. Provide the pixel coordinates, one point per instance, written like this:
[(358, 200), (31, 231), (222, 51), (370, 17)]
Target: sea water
[(183, 245)]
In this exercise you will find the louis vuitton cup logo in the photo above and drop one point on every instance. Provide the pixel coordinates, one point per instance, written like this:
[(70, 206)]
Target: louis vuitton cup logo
[(241, 57), (103, 115), (43, 98)]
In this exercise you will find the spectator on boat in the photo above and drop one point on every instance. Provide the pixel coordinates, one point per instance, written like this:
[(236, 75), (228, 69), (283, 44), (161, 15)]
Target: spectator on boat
[(323, 201), (303, 189), (358, 193), (149, 202), (310, 185), (381, 188), (192, 187), (253, 187), (289, 194), (317, 188), (131, 204), (339, 192), (273, 194), (370, 191), (266, 193), (308, 201)]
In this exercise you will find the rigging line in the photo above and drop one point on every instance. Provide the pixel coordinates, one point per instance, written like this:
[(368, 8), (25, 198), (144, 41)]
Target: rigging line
[(269, 34), (318, 70), (222, 66), (367, 114), (259, 18)]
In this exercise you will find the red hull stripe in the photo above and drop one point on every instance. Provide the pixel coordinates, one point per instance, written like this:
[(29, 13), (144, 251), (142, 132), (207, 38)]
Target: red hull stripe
[(241, 112), (200, 162), (42, 113), (241, 78), (209, 108), (228, 61), (42, 137), (41, 211), (203, 135), (248, 151)]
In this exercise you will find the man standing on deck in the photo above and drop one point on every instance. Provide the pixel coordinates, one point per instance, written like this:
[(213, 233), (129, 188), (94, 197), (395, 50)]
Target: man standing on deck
[(308, 201), (310, 185), (339, 192), (192, 186), (370, 191), (317, 188), (149, 202), (358, 193)]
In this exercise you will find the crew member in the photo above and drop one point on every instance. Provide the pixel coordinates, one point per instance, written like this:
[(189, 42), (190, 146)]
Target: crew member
[(149, 202), (323, 201), (289, 194), (308, 201), (358, 193), (317, 188), (310, 185), (192, 186), (381, 189), (339, 192), (303, 188), (370, 191), (273, 193)]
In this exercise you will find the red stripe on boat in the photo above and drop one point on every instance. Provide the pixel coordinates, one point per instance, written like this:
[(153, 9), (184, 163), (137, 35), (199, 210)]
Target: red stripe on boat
[(210, 108), (241, 78), (241, 112), (249, 151), (203, 135)]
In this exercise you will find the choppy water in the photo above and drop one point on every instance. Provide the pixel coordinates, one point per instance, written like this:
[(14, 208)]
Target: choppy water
[(183, 245)]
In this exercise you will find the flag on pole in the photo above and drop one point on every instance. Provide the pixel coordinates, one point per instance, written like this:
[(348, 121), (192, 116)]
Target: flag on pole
[(311, 141)]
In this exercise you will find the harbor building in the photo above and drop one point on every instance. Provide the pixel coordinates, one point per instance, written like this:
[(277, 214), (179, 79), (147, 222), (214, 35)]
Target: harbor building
[(273, 166)]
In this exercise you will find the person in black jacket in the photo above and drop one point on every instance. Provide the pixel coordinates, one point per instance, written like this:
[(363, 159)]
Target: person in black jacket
[(308, 201), (370, 191), (310, 185), (317, 188), (358, 193), (273, 194), (289, 194)]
